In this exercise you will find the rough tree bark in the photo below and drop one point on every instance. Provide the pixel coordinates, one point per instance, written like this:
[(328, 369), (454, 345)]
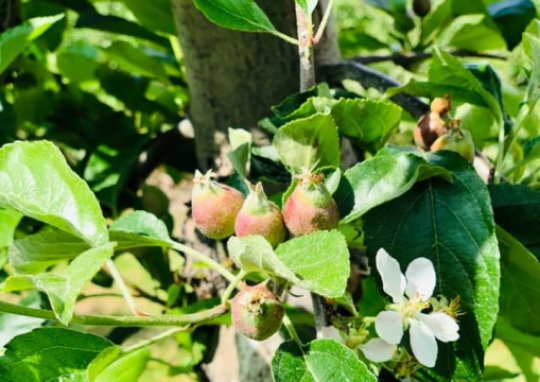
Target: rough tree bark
[(234, 77)]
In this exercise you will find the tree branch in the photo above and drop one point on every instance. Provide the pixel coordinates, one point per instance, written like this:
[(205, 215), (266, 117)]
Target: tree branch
[(407, 59), (370, 78)]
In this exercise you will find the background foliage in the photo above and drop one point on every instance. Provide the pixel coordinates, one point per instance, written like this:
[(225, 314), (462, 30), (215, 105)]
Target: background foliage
[(105, 81)]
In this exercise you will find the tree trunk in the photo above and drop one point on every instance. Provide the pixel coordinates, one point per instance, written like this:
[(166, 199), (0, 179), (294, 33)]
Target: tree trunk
[(234, 77)]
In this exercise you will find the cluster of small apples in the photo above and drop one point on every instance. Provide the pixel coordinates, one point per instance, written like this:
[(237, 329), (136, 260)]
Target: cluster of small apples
[(220, 211), (435, 131)]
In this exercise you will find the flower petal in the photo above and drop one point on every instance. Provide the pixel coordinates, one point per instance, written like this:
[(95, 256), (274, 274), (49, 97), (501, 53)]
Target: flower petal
[(392, 278), (423, 343), (377, 350), (389, 326), (420, 278), (444, 327)]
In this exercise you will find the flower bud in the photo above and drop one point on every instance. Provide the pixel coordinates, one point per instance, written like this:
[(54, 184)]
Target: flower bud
[(257, 313), (259, 216), (215, 206), (310, 207)]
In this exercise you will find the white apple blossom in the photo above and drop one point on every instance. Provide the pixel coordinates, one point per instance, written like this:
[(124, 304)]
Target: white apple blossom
[(410, 294)]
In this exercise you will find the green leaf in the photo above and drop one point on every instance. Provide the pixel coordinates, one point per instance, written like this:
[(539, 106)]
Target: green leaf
[(64, 290), (36, 180), (290, 105), (372, 301), (155, 15), (118, 25), (78, 64), (13, 325), (320, 260), (242, 15), (127, 368), (479, 122), (452, 225), (447, 75), (490, 82), (527, 362), (512, 17), (440, 15), (464, 8), (254, 253), (474, 32), (378, 180), (367, 122), (520, 285), (308, 5), (50, 354), (14, 41), (355, 41), (108, 170), (102, 361), (35, 253), (531, 63), (517, 210), (308, 143), (9, 220), (512, 336), (497, 373), (304, 261), (134, 60), (140, 229), (321, 360), (240, 154)]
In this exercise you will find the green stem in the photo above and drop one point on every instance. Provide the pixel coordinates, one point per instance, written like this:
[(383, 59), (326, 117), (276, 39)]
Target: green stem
[(516, 166), (85, 296), (499, 161), (126, 294), (188, 320), (205, 259), (524, 112), (285, 37), (173, 40), (153, 340), (227, 294), (292, 332), (324, 22)]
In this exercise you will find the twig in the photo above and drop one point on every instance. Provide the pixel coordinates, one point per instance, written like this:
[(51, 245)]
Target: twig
[(305, 49), (153, 340), (283, 36), (304, 25), (236, 283), (406, 59), (189, 321), (370, 78), (324, 22)]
